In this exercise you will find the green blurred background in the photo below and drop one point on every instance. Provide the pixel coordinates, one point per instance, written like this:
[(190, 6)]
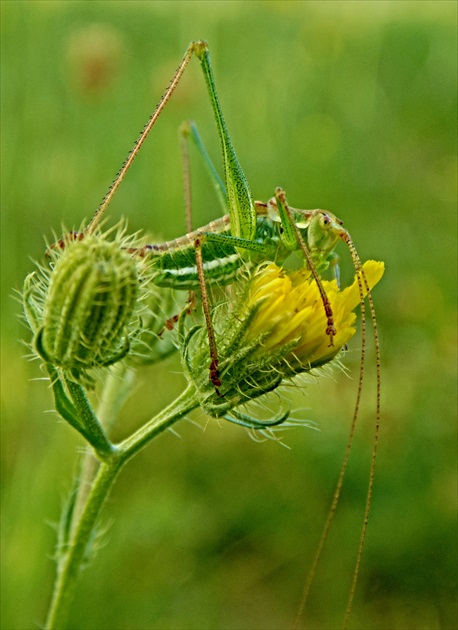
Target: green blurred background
[(350, 106)]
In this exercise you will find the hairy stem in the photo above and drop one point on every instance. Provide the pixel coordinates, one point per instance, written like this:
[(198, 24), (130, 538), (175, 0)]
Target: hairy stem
[(89, 420), (74, 557), (117, 387), (71, 562)]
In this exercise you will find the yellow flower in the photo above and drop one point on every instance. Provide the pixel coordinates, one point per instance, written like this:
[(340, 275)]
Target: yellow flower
[(276, 331), (289, 310)]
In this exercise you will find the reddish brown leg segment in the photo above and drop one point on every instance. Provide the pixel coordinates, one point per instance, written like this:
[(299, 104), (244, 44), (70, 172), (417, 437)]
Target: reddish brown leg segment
[(214, 373), (330, 328)]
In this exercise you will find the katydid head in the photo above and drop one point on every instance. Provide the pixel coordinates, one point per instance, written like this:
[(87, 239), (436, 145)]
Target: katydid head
[(324, 230), (320, 229)]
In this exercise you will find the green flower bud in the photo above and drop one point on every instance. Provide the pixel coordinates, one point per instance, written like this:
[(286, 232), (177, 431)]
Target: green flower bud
[(87, 304)]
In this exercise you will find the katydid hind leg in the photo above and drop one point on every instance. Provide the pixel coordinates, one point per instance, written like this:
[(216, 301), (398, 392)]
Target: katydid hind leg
[(240, 203), (99, 213), (188, 130), (187, 186)]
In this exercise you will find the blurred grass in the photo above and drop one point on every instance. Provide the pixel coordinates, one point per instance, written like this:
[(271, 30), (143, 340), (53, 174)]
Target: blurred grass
[(349, 106)]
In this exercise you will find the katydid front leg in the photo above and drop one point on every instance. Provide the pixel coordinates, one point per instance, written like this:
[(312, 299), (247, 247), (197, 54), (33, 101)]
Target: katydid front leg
[(291, 236)]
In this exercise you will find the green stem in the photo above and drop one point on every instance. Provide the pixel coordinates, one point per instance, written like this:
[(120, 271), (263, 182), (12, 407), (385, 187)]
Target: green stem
[(118, 385), (98, 439), (71, 562), (182, 405), (69, 567)]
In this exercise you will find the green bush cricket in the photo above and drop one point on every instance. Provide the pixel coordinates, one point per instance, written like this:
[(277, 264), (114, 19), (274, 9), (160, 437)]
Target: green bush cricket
[(250, 232)]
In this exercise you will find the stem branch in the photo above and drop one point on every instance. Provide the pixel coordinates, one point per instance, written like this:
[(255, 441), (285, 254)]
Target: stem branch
[(72, 560)]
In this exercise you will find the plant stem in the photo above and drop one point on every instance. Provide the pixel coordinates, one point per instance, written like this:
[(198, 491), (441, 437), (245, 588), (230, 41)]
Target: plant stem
[(186, 402), (90, 421), (70, 564), (118, 385), (71, 561)]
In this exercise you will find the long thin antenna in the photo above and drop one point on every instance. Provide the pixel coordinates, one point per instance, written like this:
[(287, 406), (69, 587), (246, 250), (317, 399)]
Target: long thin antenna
[(335, 500), (94, 222), (362, 539)]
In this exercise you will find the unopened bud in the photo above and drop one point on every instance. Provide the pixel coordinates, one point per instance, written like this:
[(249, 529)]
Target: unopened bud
[(88, 307)]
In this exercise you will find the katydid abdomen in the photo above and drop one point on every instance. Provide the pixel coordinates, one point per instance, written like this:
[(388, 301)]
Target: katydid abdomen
[(175, 261)]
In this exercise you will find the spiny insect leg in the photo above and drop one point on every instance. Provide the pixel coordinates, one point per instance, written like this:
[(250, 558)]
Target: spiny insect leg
[(214, 372), (94, 222), (289, 227)]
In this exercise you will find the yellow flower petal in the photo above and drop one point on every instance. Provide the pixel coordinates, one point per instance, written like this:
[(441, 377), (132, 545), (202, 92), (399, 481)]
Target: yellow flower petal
[(290, 307), (373, 271)]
